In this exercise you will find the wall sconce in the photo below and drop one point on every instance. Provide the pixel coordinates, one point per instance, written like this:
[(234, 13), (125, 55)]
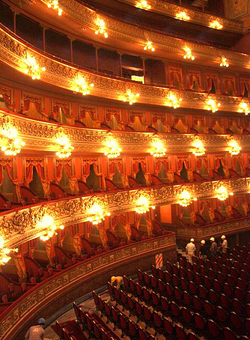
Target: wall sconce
[(173, 100), (185, 198), (48, 222), (188, 54), (14, 144), (198, 147), (82, 86), (5, 252), (158, 148), (112, 148), (234, 147), (243, 107), (216, 25), (182, 16), (101, 27), (222, 193), (224, 62), (143, 4), (149, 46), (212, 105), (130, 97), (97, 214), (142, 205), (66, 147), (54, 4), (32, 67)]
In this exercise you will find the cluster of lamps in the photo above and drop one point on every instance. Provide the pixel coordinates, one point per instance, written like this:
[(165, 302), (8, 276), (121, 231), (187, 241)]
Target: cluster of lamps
[(182, 16), (149, 46), (65, 146), (222, 193), (54, 4), (173, 100), (142, 205), (185, 198), (234, 148), (143, 4), (47, 223), (82, 86), (224, 62), (244, 108), (216, 25), (101, 27), (188, 54), (212, 105), (112, 148), (158, 148), (5, 252), (130, 97), (14, 144), (198, 147), (32, 68), (97, 214)]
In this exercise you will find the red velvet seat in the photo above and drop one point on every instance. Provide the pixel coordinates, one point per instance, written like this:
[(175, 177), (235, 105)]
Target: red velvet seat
[(184, 284), (213, 296), (140, 275), (146, 294), (175, 309), (157, 319), (193, 288), (164, 304), (187, 298), (182, 272), (168, 276), (229, 334), (235, 321), (168, 326), (198, 304), (155, 299), (199, 322), (181, 335), (139, 289), (169, 289), (225, 301), (198, 279), (177, 293), (161, 286), (213, 329), (209, 308), (186, 315), (133, 329), (237, 306), (202, 291), (147, 314), (221, 314)]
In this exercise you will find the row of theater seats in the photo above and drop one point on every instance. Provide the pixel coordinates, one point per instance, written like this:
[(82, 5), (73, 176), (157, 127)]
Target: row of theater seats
[(12, 287), (28, 196)]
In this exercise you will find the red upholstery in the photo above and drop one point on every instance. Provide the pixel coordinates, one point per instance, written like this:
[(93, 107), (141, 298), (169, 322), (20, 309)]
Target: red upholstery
[(28, 196), (57, 192), (133, 183), (110, 185), (63, 258), (112, 240)]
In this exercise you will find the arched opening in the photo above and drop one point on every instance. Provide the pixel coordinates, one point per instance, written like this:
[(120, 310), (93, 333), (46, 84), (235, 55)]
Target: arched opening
[(184, 172), (93, 180), (117, 178), (64, 182), (140, 176), (7, 187)]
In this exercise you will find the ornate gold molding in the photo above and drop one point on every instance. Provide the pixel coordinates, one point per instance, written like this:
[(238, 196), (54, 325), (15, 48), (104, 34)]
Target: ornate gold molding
[(216, 229), (13, 52), (44, 293), (196, 16), (19, 226), (40, 136)]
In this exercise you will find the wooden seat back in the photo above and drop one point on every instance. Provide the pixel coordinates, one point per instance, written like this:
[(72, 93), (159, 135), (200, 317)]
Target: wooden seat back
[(84, 188), (57, 192), (28, 195)]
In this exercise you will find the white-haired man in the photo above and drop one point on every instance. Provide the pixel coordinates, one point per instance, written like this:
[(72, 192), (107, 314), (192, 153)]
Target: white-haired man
[(223, 244), (190, 249), (36, 332), (214, 247)]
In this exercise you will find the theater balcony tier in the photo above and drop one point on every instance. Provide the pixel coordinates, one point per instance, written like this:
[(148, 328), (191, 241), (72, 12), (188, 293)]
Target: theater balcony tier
[(20, 225), (14, 53), (41, 136), (80, 279), (161, 17)]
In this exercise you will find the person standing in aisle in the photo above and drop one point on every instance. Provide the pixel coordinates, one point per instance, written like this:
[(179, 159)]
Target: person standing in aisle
[(190, 249)]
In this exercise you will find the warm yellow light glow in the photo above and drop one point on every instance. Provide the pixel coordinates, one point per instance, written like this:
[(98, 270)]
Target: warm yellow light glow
[(4, 252), (173, 101), (143, 4), (82, 86), (182, 16), (142, 205), (130, 97), (97, 214), (222, 193), (188, 54), (243, 107), (212, 105), (159, 149), (185, 198), (149, 46), (54, 4), (14, 144), (216, 25), (198, 147), (234, 147), (112, 148), (32, 67), (48, 222), (101, 27), (224, 62), (66, 147)]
